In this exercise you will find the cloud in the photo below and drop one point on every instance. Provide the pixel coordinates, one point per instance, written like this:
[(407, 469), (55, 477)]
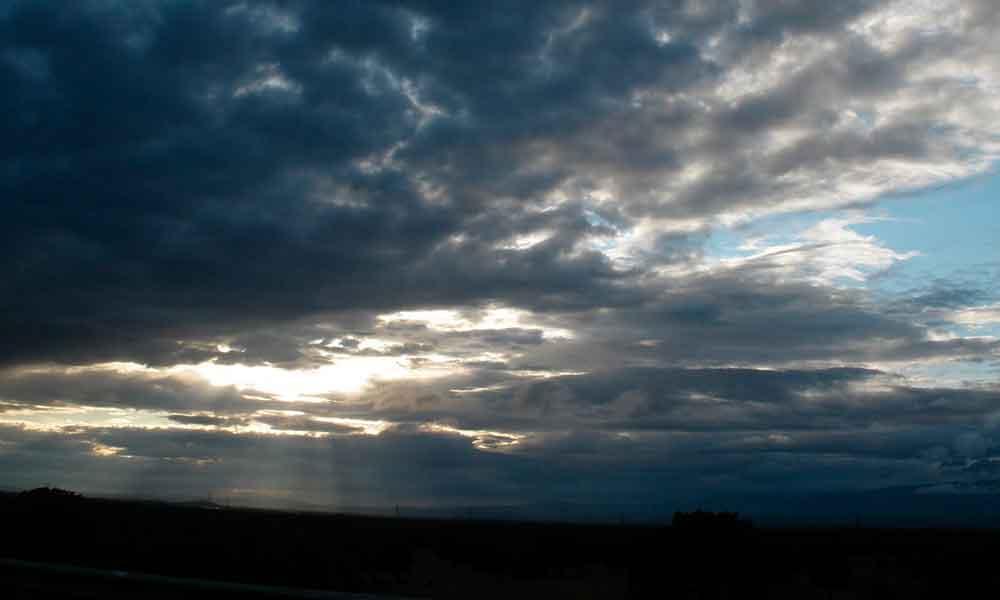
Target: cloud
[(828, 252), (445, 469), (402, 246), (576, 436), (977, 316), (116, 386), (304, 423), (316, 157), (207, 420)]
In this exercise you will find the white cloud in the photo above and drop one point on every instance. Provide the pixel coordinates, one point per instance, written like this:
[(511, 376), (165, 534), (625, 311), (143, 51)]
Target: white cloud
[(828, 253), (977, 316)]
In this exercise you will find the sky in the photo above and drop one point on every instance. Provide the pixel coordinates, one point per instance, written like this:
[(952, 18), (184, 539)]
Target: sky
[(499, 253)]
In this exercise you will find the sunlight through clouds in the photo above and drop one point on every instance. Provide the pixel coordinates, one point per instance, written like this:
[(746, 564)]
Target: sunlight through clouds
[(347, 375), (490, 318), (447, 251), (481, 439)]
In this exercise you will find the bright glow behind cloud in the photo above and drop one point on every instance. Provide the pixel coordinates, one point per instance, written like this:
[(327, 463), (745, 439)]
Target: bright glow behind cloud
[(347, 375)]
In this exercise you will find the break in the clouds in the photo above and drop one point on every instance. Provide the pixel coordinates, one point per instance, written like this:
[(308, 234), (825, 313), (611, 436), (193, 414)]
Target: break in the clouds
[(366, 253)]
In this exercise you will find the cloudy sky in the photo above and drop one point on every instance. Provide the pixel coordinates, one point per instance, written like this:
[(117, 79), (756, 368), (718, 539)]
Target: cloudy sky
[(441, 254)]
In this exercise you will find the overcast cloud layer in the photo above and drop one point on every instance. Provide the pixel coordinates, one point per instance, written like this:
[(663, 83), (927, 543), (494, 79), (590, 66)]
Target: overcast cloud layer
[(437, 253)]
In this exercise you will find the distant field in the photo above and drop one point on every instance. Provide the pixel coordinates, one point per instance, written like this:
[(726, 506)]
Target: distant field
[(469, 559)]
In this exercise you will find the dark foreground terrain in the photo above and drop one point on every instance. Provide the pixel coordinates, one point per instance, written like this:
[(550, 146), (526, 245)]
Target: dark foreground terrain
[(158, 550)]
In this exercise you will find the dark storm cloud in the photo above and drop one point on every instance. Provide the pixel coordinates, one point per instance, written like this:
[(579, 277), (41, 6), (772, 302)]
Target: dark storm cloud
[(175, 173), (817, 406), (718, 402), (407, 466), (248, 182), (351, 470), (155, 195), (744, 316), (749, 316)]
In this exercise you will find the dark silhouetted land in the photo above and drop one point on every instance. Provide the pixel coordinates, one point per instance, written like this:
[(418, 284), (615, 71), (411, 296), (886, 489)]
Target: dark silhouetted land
[(186, 550)]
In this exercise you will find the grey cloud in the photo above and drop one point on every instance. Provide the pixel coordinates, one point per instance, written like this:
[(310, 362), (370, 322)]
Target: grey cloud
[(720, 402), (209, 420), (409, 467), (602, 434), (347, 470), (140, 391), (304, 423), (255, 205), (181, 176), (750, 317)]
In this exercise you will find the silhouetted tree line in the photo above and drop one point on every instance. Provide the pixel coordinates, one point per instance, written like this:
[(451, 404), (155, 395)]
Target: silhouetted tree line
[(49, 495)]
